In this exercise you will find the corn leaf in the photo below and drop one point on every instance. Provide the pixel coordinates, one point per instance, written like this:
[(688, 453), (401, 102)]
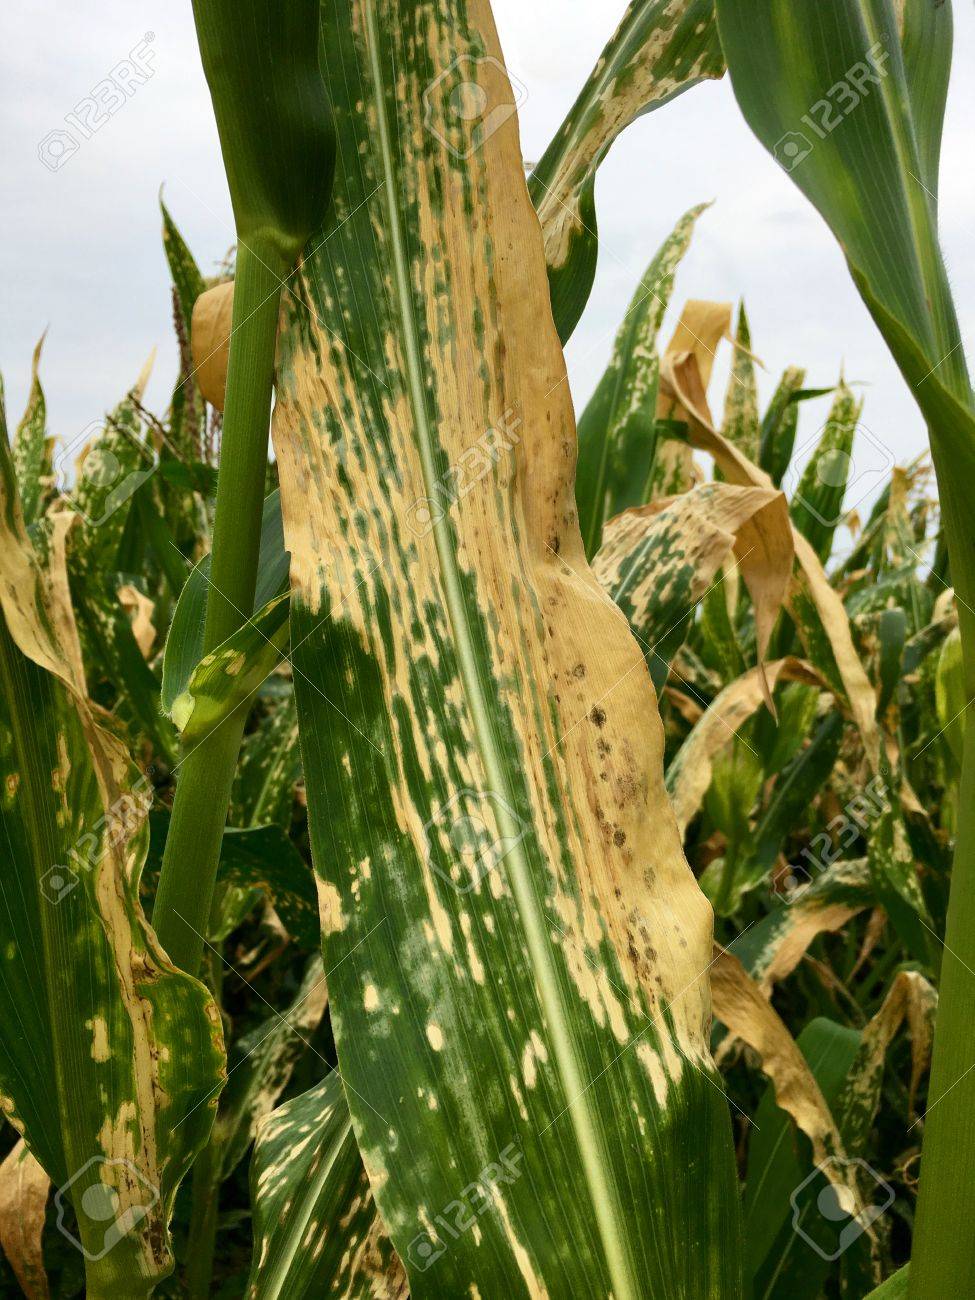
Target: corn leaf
[(461, 717), (658, 561), (184, 644), (659, 50), (740, 424), (108, 1054), (24, 1189), (617, 436), (32, 447), (306, 1180)]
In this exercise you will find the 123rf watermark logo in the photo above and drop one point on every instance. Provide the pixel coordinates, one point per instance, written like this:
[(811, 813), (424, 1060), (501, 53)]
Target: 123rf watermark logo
[(111, 1196), (471, 99), (839, 101), (460, 478), (99, 106), (824, 1209), (111, 464), (469, 835), (460, 1215), (828, 846), (841, 479), (121, 820)]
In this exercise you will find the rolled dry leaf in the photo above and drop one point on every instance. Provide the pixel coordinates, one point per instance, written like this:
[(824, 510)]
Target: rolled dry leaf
[(23, 1200), (210, 341), (139, 609), (746, 1012), (682, 380), (689, 775)]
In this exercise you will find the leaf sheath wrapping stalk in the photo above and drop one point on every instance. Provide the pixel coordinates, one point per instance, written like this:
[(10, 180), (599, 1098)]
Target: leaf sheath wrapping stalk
[(517, 951)]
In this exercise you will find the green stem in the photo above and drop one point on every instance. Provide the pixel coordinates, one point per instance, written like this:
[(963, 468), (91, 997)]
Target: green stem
[(207, 1176), (943, 1258), (192, 852)]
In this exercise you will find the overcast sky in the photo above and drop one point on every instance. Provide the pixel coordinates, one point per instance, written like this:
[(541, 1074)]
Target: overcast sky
[(82, 252)]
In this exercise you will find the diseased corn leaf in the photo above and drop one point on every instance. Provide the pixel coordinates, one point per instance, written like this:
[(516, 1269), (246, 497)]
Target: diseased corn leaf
[(24, 1188), (260, 1067), (261, 1064), (108, 1054), (814, 604), (816, 904), (701, 328), (793, 1269), (779, 425), (658, 561), (894, 874), (488, 930), (746, 1012), (778, 1163), (661, 48), (184, 644), (188, 413), (188, 281), (911, 998), (110, 470), (816, 499), (224, 680), (306, 1178), (690, 770), (32, 447), (740, 424), (617, 431)]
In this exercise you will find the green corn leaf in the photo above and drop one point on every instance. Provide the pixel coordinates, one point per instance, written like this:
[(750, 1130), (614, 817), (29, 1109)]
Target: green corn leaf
[(184, 644), (315, 1222), (269, 770), (779, 424), (950, 693), (741, 424), (798, 784), (895, 1287), (617, 433), (816, 499), (444, 612), (865, 153), (188, 281), (659, 50), (777, 1166), (225, 679), (31, 446), (259, 860), (110, 1058)]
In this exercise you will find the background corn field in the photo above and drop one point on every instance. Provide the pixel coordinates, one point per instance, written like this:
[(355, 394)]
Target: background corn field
[(598, 782)]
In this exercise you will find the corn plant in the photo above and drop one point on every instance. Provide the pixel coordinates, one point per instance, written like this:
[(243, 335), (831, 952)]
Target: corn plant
[(556, 843)]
